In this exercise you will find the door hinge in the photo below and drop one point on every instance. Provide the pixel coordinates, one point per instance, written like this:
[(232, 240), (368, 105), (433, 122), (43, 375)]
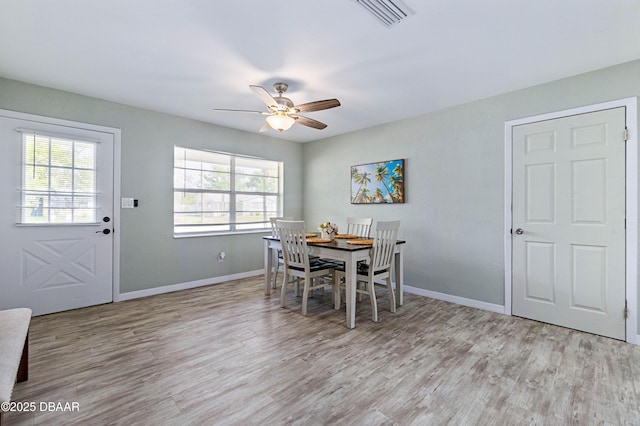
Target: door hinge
[(626, 134), (626, 310)]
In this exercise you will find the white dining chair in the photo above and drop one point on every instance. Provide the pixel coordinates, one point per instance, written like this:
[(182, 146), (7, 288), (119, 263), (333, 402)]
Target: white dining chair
[(359, 226), (297, 263), (278, 264), (378, 268)]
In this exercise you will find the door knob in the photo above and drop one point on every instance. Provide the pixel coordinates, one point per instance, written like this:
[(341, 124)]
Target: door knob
[(519, 231), (104, 231)]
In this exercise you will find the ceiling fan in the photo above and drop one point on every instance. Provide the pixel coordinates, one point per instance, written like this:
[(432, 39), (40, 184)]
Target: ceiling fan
[(281, 111)]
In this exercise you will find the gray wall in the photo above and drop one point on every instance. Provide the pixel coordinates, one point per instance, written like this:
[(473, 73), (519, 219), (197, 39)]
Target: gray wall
[(150, 256), (453, 217)]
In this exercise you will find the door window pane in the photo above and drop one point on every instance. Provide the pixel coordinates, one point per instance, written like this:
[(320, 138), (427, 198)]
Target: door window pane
[(58, 180)]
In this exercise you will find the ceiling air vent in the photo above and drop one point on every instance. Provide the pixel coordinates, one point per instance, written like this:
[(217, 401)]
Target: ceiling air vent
[(387, 12)]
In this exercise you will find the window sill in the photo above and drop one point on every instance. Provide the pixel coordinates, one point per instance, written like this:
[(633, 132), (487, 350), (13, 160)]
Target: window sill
[(220, 234)]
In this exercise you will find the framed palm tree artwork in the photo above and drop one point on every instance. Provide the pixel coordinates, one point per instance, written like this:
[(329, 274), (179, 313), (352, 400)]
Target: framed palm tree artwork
[(378, 183)]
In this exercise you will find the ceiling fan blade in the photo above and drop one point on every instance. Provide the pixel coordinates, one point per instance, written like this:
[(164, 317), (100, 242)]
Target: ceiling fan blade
[(317, 105), (265, 127), (264, 96), (309, 122), (240, 110)]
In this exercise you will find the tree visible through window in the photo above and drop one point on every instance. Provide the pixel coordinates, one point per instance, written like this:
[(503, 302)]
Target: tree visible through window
[(217, 192)]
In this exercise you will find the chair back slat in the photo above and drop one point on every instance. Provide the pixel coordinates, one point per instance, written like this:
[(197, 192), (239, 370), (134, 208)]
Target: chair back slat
[(384, 245), (359, 226), (274, 225), (294, 243)]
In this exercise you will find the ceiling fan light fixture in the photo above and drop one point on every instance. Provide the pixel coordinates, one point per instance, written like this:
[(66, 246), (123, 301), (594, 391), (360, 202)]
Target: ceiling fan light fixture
[(280, 121), (387, 12), (282, 113)]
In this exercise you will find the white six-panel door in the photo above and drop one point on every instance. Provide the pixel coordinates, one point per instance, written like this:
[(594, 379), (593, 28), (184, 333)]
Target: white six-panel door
[(568, 261), (51, 267)]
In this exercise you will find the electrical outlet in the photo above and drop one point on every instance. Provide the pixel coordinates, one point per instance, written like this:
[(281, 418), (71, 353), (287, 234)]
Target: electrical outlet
[(221, 256)]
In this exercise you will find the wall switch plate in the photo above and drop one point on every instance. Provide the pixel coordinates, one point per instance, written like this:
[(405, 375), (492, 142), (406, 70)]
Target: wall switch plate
[(127, 203)]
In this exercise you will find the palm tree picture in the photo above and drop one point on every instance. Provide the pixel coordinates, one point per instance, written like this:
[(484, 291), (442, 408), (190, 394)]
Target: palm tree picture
[(378, 183)]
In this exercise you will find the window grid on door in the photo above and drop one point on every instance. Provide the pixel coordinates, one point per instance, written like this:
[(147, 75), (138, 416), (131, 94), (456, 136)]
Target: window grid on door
[(58, 180)]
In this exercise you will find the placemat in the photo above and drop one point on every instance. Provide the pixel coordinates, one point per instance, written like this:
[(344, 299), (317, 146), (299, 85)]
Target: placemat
[(346, 236), (361, 242), (319, 240), (311, 234)]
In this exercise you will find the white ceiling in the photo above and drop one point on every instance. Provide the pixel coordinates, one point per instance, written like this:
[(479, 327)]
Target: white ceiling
[(185, 57)]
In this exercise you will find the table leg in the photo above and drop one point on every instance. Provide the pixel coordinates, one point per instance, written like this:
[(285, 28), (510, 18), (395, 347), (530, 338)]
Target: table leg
[(350, 292), (399, 275)]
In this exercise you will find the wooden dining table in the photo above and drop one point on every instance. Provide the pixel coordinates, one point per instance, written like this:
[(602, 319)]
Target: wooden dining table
[(350, 254)]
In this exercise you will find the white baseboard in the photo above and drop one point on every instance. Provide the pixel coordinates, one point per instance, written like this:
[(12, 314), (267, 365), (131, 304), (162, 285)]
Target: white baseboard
[(185, 286), (499, 309)]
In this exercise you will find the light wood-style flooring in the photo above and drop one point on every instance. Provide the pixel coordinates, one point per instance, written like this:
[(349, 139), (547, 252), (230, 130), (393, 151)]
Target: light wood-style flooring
[(228, 355)]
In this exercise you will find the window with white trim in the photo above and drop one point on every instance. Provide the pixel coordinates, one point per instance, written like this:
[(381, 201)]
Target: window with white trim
[(216, 192), (58, 180)]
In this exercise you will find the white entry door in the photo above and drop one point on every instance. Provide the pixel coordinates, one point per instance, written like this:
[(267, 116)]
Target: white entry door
[(568, 236), (56, 215)]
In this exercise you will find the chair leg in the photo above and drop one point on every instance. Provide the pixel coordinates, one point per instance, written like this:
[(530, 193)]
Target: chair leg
[(374, 303), (275, 277), (283, 292), (276, 266), (305, 295), (392, 296), (336, 292)]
